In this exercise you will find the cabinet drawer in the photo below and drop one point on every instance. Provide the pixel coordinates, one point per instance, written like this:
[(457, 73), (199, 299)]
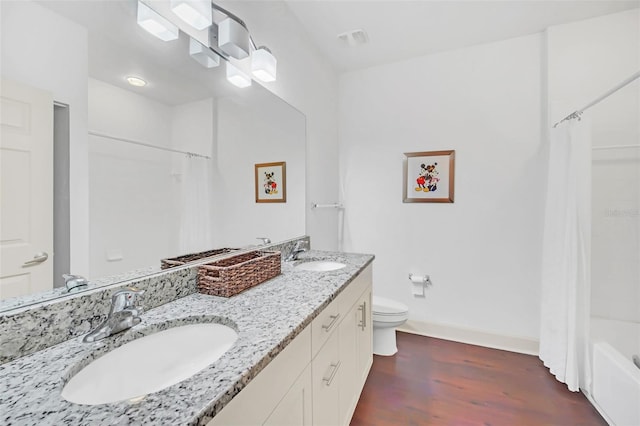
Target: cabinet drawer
[(323, 325), (326, 373)]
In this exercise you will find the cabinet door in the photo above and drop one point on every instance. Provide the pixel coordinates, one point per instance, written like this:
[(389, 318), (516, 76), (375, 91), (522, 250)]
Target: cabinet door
[(350, 377), (256, 402), (326, 370), (364, 338), (295, 408)]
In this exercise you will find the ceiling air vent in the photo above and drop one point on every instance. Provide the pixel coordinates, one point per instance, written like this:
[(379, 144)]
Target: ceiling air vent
[(354, 38)]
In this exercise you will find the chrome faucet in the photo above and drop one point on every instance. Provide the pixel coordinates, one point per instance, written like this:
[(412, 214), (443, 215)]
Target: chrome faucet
[(74, 282), (300, 247), (124, 314)]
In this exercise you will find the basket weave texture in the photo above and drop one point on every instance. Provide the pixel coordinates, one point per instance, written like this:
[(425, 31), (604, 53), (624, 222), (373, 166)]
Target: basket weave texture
[(181, 260), (228, 277)]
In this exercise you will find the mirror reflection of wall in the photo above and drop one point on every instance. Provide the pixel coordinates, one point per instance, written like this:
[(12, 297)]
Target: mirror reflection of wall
[(128, 206)]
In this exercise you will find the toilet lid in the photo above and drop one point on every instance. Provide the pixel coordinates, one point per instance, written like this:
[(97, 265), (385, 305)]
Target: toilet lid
[(382, 305)]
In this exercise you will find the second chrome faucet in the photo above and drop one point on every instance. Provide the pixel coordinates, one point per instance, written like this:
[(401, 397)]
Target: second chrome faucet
[(300, 247), (124, 314)]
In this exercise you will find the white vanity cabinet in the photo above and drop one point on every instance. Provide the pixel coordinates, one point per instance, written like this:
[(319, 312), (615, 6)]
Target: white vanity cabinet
[(317, 379), (279, 395), (356, 348)]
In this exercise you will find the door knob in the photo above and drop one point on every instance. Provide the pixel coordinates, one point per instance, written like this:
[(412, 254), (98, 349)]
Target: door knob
[(37, 259)]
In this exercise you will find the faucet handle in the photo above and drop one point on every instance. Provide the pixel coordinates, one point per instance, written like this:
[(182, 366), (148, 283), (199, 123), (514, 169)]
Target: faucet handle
[(74, 282), (302, 245), (125, 298), (265, 240)]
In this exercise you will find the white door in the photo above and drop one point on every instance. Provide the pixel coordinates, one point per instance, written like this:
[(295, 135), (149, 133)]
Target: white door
[(26, 190)]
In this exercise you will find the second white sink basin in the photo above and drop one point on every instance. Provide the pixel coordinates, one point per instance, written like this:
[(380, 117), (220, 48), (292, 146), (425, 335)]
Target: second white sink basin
[(149, 364), (320, 266)]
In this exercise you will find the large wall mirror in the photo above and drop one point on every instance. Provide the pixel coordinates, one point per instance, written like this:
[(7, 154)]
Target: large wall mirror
[(141, 173)]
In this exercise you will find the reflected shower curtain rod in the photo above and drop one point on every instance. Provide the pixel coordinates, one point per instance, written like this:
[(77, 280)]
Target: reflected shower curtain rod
[(148, 145), (577, 113)]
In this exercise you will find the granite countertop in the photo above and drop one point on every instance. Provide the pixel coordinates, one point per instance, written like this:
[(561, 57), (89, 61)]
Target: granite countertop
[(266, 317)]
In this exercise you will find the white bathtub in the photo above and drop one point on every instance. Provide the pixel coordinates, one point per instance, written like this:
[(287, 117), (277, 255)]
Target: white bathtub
[(615, 387)]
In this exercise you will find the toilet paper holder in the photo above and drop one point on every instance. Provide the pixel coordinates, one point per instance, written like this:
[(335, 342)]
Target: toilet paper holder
[(416, 279), (419, 283)]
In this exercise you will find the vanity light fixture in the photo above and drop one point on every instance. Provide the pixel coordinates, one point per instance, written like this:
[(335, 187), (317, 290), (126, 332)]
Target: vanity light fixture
[(263, 64), (233, 38), (203, 55), (196, 13), (237, 77), (136, 81), (229, 38), (155, 24)]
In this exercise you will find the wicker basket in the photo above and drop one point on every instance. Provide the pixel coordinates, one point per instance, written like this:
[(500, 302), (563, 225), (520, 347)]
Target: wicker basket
[(227, 277), (181, 260)]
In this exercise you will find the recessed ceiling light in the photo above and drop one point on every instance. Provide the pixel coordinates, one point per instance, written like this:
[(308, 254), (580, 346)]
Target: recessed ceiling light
[(136, 81)]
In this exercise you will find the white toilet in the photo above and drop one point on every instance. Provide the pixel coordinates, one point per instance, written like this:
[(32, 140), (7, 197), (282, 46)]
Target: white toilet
[(387, 315)]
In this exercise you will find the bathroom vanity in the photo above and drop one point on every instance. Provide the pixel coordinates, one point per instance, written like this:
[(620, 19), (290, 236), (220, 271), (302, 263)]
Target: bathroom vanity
[(318, 377), (302, 355)]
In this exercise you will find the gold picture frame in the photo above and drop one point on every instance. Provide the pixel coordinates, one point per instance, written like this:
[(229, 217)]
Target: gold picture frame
[(428, 177), (271, 182)]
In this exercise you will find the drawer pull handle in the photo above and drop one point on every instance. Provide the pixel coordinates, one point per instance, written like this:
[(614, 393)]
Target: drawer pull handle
[(334, 320), (329, 379), (363, 322)]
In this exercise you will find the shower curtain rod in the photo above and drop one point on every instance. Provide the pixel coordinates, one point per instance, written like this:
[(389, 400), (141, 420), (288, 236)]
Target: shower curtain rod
[(148, 145), (578, 113)]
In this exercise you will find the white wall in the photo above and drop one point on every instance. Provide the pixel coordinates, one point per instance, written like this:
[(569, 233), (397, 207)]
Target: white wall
[(483, 251), (240, 146), (60, 67), (134, 194), (193, 127), (586, 59), (308, 82)]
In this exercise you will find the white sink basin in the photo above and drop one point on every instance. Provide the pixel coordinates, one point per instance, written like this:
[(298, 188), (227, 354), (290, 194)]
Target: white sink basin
[(149, 364), (320, 266)]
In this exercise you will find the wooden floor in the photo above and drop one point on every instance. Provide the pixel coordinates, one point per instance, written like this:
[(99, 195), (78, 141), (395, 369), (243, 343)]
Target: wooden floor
[(438, 382)]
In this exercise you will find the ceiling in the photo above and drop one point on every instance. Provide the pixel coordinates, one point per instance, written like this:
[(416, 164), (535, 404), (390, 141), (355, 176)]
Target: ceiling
[(401, 29)]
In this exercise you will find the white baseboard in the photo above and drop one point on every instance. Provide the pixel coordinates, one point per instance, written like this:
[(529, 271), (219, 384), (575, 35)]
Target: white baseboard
[(471, 336)]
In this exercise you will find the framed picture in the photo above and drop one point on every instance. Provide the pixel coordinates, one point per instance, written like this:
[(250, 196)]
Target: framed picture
[(428, 177), (271, 182)]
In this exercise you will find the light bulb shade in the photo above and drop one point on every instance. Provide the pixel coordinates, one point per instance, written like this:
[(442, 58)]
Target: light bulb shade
[(237, 77), (202, 54), (155, 24), (196, 13), (263, 65), (233, 38)]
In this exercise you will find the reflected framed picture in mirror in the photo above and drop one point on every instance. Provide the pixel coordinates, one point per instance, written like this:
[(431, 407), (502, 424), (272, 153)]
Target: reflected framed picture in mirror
[(428, 177), (271, 182)]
